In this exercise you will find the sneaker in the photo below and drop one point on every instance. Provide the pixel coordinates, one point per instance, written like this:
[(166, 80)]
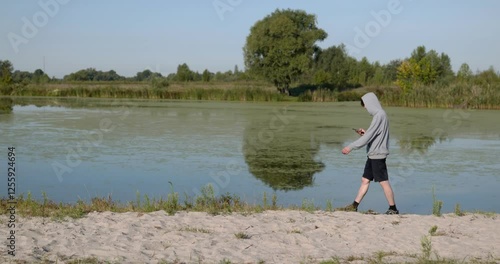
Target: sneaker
[(391, 212), (348, 208)]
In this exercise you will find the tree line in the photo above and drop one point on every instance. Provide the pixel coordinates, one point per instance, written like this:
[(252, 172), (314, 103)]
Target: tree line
[(331, 68), (281, 49), (183, 74)]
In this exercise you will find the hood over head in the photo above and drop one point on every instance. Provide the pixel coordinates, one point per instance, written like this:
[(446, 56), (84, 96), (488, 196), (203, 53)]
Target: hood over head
[(371, 103)]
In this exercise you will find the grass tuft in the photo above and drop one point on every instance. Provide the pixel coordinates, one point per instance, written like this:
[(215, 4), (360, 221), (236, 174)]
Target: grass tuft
[(195, 230), (436, 204), (329, 206), (308, 205), (458, 210), (274, 201), (433, 230), (264, 201), (242, 235), (426, 244), (333, 261), (295, 231)]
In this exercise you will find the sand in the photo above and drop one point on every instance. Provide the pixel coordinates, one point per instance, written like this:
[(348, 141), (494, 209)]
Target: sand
[(273, 237)]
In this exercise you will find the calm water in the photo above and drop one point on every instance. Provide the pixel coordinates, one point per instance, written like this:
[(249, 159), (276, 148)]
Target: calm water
[(81, 148)]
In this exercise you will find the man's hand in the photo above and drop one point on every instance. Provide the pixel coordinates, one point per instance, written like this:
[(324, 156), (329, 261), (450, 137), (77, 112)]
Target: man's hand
[(360, 131), (346, 150)]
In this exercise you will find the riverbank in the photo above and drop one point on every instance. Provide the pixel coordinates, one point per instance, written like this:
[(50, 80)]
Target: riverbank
[(456, 95), (283, 236)]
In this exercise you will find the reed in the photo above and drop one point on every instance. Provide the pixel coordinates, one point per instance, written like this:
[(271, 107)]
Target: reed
[(326, 95), (456, 95), (237, 94), (476, 95), (156, 89)]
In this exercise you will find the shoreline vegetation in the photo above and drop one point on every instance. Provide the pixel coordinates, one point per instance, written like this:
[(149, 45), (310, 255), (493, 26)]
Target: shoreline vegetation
[(207, 201), (458, 95), (425, 79), (76, 233), (170, 229)]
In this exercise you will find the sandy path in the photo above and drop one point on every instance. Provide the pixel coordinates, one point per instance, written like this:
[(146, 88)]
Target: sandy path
[(275, 237)]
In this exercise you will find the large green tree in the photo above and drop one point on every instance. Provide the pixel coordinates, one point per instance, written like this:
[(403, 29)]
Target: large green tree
[(281, 46)]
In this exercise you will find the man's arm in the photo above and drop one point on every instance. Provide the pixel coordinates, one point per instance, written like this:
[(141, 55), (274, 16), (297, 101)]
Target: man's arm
[(369, 134)]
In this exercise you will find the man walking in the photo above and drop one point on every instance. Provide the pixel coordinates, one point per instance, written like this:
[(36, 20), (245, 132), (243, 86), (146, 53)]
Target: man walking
[(376, 138)]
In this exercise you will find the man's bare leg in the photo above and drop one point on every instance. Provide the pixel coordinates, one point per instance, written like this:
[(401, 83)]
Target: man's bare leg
[(363, 189), (389, 194)]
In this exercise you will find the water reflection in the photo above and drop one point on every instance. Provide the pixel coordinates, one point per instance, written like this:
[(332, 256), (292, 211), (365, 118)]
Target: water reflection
[(420, 143), (188, 143), (6, 105), (281, 159)]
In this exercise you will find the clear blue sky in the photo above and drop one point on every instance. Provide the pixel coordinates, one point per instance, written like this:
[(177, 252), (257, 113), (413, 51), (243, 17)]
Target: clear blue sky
[(129, 36)]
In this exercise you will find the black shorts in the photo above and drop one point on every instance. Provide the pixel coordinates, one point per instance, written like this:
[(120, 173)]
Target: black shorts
[(375, 169)]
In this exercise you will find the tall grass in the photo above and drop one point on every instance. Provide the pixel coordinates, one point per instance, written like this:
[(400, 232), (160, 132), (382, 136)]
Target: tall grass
[(426, 244), (458, 210), (485, 95), (326, 95), (456, 95), (156, 89), (329, 206), (308, 206), (237, 94), (436, 204), (206, 201)]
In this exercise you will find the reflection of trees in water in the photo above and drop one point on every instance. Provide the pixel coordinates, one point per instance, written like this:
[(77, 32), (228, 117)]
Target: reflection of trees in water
[(281, 159), (6, 105), (420, 143)]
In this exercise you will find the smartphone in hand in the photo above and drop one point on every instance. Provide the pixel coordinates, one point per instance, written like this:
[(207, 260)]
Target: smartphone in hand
[(359, 131)]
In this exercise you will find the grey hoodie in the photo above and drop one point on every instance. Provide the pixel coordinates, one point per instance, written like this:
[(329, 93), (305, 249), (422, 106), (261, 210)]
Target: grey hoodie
[(376, 136)]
